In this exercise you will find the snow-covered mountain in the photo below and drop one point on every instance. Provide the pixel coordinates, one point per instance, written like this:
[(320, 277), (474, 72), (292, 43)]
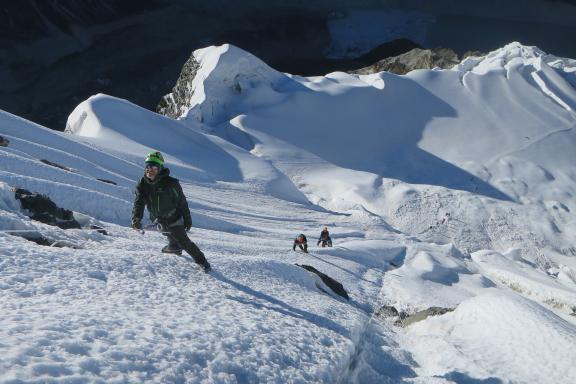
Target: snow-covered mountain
[(486, 127), (54, 54), (451, 189)]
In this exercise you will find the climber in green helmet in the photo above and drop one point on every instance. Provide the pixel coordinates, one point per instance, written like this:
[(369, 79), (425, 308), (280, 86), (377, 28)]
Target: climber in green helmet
[(162, 195)]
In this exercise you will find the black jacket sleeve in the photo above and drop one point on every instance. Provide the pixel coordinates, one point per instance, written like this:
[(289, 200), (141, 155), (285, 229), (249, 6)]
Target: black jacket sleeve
[(139, 203)]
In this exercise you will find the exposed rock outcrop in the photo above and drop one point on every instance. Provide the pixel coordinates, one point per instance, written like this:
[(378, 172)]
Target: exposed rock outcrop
[(42, 209), (417, 58), (402, 319), (388, 311), (53, 164), (107, 181), (174, 104), (99, 229), (423, 315), (35, 237), (334, 285), (4, 141)]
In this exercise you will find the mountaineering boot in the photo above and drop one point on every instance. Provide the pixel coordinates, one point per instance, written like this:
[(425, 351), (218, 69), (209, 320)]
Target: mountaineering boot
[(206, 266), (172, 249)]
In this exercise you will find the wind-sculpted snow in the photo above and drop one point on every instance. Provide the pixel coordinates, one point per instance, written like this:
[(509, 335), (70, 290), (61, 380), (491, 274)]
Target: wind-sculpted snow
[(515, 272), (431, 276), (553, 75), (487, 128), (130, 131), (451, 189), (496, 336)]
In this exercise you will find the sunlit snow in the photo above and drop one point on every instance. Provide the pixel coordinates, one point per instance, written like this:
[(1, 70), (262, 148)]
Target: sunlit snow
[(440, 188)]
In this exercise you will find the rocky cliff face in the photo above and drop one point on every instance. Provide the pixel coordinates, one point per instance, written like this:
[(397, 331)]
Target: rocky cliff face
[(417, 58), (173, 103)]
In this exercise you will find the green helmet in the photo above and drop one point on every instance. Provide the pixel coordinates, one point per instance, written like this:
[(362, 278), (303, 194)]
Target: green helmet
[(155, 158)]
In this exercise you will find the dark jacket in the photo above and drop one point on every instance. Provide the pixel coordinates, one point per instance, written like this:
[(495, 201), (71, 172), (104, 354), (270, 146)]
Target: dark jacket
[(164, 199), (324, 235), (304, 240)]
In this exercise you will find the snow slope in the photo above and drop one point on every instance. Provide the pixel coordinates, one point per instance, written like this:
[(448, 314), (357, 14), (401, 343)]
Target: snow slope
[(449, 189), (496, 132)]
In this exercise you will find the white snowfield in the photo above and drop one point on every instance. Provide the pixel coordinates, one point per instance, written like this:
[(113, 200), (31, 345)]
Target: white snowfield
[(452, 189)]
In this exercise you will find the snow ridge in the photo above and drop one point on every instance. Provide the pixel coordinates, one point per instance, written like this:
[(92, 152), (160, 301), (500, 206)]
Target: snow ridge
[(228, 80)]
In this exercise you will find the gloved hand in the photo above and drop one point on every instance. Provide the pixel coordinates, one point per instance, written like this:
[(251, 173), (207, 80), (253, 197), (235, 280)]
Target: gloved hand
[(161, 225), (187, 225), (136, 224)]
